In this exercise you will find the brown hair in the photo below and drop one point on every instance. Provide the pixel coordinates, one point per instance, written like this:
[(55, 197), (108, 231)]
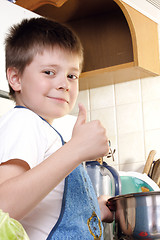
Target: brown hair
[(34, 35)]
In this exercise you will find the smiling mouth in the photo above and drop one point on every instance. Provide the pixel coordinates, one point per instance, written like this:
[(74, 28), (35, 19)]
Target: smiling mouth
[(59, 99)]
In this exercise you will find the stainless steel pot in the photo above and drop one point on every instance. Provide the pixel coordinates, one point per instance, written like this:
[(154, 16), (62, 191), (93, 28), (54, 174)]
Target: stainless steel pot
[(137, 214)]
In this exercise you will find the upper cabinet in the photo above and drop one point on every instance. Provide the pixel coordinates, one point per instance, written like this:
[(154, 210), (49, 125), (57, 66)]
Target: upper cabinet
[(120, 43)]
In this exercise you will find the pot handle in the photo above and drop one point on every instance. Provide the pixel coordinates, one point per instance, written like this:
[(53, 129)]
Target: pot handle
[(110, 171), (117, 180)]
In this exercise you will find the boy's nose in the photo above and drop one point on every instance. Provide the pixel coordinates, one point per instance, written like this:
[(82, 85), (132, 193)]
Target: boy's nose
[(63, 84), (64, 88)]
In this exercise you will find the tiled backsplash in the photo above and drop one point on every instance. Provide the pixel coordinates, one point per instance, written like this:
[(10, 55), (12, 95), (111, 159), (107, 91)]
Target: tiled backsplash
[(130, 112)]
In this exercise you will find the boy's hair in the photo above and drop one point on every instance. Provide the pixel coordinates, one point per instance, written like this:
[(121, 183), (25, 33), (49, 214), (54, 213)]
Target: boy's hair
[(34, 35)]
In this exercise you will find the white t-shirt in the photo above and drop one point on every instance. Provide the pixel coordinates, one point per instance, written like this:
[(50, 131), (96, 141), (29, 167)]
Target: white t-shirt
[(24, 135)]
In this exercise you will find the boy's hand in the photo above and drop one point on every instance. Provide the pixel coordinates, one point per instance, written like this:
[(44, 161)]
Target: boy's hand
[(106, 214), (82, 116), (90, 137)]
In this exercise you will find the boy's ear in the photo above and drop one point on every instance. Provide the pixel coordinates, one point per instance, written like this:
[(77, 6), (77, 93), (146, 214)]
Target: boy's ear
[(14, 78)]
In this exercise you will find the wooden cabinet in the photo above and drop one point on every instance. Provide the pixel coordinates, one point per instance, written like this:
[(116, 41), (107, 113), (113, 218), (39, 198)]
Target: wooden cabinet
[(120, 43), (34, 4)]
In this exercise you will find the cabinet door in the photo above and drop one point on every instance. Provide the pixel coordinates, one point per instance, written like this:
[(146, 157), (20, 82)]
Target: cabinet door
[(9, 14)]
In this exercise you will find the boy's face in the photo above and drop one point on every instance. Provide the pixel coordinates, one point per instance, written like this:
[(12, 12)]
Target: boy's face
[(49, 85)]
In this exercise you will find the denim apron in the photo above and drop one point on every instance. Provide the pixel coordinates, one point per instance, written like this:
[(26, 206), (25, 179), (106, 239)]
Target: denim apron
[(80, 214)]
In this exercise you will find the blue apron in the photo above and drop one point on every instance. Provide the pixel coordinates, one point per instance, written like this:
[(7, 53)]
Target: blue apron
[(80, 213)]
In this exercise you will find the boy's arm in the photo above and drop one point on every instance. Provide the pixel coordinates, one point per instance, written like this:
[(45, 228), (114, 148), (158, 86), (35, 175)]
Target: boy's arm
[(21, 188)]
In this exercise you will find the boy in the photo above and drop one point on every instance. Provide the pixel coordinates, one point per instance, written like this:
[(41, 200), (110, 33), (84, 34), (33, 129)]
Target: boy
[(42, 180)]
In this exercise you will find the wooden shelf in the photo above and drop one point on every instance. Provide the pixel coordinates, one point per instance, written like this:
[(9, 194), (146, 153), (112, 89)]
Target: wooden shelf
[(111, 75), (120, 43)]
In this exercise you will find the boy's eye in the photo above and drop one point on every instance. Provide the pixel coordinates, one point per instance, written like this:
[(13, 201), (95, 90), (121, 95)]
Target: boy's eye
[(71, 76), (49, 72)]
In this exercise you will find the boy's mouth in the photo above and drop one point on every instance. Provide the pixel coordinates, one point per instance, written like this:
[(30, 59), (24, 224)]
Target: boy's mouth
[(58, 99)]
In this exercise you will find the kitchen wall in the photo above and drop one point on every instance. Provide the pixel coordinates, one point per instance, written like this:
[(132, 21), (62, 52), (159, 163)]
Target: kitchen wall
[(130, 112)]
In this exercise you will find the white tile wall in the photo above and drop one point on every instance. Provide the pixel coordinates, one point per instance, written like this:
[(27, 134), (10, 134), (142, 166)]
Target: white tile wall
[(130, 112), (102, 97), (151, 114), (128, 92), (107, 118), (150, 88), (129, 118)]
